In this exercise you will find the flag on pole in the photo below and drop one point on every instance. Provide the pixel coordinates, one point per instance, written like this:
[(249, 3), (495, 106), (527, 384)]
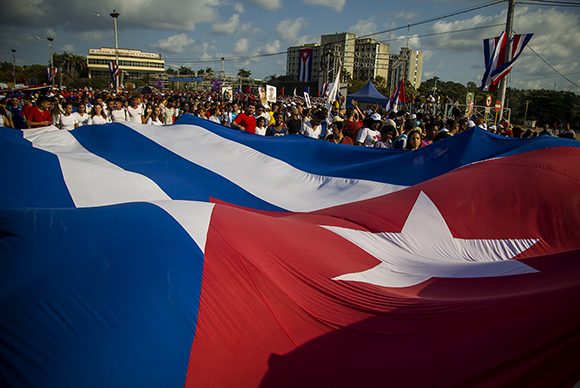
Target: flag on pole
[(114, 71), (398, 98), (294, 93), (51, 73), (305, 64), (496, 68), (201, 256)]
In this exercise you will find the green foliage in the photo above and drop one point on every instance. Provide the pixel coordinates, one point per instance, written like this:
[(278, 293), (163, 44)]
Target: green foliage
[(243, 73)]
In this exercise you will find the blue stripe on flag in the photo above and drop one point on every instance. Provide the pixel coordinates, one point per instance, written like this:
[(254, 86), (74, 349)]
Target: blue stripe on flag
[(380, 165), (179, 178), (121, 297), (29, 171)]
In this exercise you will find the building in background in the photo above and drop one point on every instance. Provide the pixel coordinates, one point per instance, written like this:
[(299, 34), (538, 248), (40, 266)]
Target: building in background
[(293, 61), (408, 65), (362, 59), (135, 64), (371, 59)]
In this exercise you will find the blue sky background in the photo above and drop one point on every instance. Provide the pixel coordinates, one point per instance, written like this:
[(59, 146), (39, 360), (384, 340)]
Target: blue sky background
[(189, 31)]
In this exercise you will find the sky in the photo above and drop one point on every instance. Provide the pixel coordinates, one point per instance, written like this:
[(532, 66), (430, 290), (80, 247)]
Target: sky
[(187, 32)]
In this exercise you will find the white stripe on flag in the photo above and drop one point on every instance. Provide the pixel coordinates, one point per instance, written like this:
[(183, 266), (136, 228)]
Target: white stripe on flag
[(194, 217), (266, 177), (90, 179)]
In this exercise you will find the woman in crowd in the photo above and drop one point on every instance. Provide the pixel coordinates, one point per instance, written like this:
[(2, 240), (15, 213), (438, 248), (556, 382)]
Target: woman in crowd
[(153, 115), (98, 115), (5, 120), (68, 120), (278, 128), (82, 116), (261, 127), (414, 140)]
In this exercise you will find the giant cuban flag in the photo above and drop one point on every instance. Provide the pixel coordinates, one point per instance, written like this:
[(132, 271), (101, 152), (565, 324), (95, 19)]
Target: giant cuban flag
[(195, 255)]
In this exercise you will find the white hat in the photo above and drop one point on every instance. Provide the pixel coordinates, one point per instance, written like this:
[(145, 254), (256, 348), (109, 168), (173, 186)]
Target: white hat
[(376, 117), (470, 124), (413, 116), (492, 128)]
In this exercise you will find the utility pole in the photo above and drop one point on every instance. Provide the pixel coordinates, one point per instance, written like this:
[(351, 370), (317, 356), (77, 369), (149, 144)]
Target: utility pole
[(526, 113), (508, 31), (14, 66), (115, 16), (50, 40), (222, 71)]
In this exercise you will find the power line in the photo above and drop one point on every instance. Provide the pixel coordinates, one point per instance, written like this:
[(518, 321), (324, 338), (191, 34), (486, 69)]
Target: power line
[(542, 4), (430, 20), (552, 67), (436, 18), (443, 33)]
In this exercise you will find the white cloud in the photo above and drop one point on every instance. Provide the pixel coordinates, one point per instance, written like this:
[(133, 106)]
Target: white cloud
[(171, 15), (238, 7), (289, 30), (270, 5), (95, 36), (556, 38), (69, 48), (405, 15), (272, 47), (229, 27), (173, 44), (336, 5), (241, 46), (363, 27)]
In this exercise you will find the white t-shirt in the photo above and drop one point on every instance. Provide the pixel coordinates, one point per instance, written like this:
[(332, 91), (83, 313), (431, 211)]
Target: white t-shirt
[(1, 120), (68, 122), (169, 113), (150, 121), (261, 131), (119, 115), (82, 119), (135, 114), (367, 136), (307, 130), (95, 120)]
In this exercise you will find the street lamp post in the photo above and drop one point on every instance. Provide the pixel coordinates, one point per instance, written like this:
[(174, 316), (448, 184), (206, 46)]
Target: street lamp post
[(50, 40), (14, 66), (115, 16)]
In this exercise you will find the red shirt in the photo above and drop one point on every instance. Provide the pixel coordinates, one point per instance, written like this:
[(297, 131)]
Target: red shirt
[(37, 116), (248, 122)]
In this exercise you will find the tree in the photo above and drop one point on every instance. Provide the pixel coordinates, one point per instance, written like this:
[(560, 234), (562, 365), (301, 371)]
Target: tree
[(184, 70), (243, 73)]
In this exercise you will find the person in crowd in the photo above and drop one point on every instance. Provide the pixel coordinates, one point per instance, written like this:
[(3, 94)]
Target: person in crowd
[(68, 119), (40, 115), (98, 115), (82, 116), (119, 113), (215, 115), (154, 115), (135, 111), (312, 128), (352, 124), (278, 128), (169, 112), (294, 123), (388, 135), (567, 132), (5, 120), (337, 136), (246, 121), (414, 140), (369, 134), (261, 126)]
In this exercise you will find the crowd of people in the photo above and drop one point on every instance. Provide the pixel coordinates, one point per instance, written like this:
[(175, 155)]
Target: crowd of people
[(369, 126)]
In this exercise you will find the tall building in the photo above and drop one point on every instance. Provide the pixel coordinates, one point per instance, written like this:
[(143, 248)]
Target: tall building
[(408, 64), (336, 50), (135, 63), (371, 59), (293, 61)]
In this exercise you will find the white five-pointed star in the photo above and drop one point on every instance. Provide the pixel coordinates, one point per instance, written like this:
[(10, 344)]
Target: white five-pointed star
[(425, 248)]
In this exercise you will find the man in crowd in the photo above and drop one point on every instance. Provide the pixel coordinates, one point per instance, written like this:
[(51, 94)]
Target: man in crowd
[(39, 115), (246, 121)]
